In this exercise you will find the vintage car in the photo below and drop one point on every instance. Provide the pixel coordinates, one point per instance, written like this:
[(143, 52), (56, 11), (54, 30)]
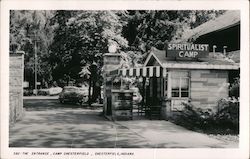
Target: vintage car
[(73, 95), (55, 91)]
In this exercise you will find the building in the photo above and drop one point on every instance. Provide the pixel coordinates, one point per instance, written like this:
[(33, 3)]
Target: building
[(188, 71)]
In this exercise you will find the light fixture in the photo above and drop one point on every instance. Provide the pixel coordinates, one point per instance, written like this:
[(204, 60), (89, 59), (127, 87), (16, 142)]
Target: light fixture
[(112, 48)]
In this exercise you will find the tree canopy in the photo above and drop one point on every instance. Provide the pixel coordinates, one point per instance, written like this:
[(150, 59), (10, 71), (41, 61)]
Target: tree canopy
[(70, 41)]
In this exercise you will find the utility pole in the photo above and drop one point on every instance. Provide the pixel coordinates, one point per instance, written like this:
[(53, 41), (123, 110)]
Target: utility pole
[(35, 60)]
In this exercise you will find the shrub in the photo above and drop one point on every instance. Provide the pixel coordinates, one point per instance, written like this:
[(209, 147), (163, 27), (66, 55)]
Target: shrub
[(225, 120), (228, 113), (194, 118), (234, 90), (27, 92)]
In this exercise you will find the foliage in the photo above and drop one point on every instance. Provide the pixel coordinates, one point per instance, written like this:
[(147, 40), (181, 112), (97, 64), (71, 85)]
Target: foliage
[(225, 120), (228, 114), (234, 90), (27, 92), (154, 28), (194, 118), (26, 29), (69, 40), (81, 37)]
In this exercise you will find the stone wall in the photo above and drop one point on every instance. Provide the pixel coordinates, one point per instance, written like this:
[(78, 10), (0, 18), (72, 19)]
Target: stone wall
[(207, 87), (16, 70)]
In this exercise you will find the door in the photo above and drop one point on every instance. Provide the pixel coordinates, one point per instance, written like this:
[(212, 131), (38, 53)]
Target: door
[(154, 98)]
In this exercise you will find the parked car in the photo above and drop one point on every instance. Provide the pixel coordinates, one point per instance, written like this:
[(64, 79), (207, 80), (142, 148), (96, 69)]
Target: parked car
[(55, 91), (43, 92), (73, 94)]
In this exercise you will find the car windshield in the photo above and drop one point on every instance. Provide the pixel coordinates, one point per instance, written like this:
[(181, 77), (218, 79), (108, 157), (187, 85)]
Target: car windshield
[(83, 89)]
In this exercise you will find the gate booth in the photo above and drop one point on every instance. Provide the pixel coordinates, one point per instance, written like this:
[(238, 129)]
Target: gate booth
[(168, 83), (190, 71), (153, 86)]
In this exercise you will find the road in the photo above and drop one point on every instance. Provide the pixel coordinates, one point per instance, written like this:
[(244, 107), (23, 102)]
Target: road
[(49, 124)]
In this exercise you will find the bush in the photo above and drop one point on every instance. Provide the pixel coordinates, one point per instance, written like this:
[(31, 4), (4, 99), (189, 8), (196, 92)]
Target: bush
[(234, 90), (228, 113), (194, 118), (225, 120), (27, 92)]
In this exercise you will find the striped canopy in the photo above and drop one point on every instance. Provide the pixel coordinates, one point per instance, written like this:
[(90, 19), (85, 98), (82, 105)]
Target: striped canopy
[(149, 71)]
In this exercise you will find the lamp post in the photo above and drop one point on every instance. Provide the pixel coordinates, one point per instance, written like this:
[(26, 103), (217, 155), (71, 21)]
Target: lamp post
[(112, 48)]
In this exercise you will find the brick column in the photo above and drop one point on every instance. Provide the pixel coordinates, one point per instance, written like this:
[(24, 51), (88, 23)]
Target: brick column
[(16, 71)]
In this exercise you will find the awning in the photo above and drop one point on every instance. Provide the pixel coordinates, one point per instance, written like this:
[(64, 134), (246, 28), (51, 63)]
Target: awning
[(149, 71)]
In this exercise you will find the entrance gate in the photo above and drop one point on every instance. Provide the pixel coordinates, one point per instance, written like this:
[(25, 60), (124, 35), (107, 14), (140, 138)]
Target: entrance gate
[(153, 88)]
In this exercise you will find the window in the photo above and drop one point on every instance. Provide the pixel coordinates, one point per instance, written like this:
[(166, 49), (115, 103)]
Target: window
[(180, 84)]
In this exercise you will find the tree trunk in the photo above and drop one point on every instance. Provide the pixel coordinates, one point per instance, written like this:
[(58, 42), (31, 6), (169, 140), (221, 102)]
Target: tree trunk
[(90, 83)]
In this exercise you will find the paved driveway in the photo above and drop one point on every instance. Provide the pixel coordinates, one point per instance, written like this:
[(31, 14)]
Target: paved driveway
[(48, 124)]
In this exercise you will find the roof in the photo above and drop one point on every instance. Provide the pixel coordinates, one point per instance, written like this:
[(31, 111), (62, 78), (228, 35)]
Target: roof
[(199, 65), (213, 61), (228, 19), (159, 55), (234, 55)]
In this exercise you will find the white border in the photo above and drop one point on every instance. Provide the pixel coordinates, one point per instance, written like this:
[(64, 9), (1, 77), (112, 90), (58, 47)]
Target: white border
[(237, 153)]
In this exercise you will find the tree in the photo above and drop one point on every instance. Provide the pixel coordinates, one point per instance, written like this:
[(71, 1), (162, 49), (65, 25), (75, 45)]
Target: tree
[(81, 38), (154, 28), (28, 27), (69, 40)]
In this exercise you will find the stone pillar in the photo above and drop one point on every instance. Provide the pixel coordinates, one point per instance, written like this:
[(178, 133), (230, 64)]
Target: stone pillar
[(16, 72), (111, 61)]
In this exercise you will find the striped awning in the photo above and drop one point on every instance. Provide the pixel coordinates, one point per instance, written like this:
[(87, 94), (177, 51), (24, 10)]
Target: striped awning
[(149, 71)]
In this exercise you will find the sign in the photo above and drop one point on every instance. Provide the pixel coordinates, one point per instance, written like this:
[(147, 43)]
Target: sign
[(187, 50)]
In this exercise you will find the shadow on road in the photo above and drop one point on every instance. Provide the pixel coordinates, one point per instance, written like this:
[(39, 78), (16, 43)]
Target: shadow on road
[(71, 130), (48, 104), (49, 124)]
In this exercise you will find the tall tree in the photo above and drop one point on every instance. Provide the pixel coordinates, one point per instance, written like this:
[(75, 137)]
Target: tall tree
[(154, 28), (81, 38), (28, 27)]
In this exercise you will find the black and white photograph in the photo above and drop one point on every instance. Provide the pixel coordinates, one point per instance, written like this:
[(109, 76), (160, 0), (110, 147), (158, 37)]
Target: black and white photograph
[(124, 79)]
